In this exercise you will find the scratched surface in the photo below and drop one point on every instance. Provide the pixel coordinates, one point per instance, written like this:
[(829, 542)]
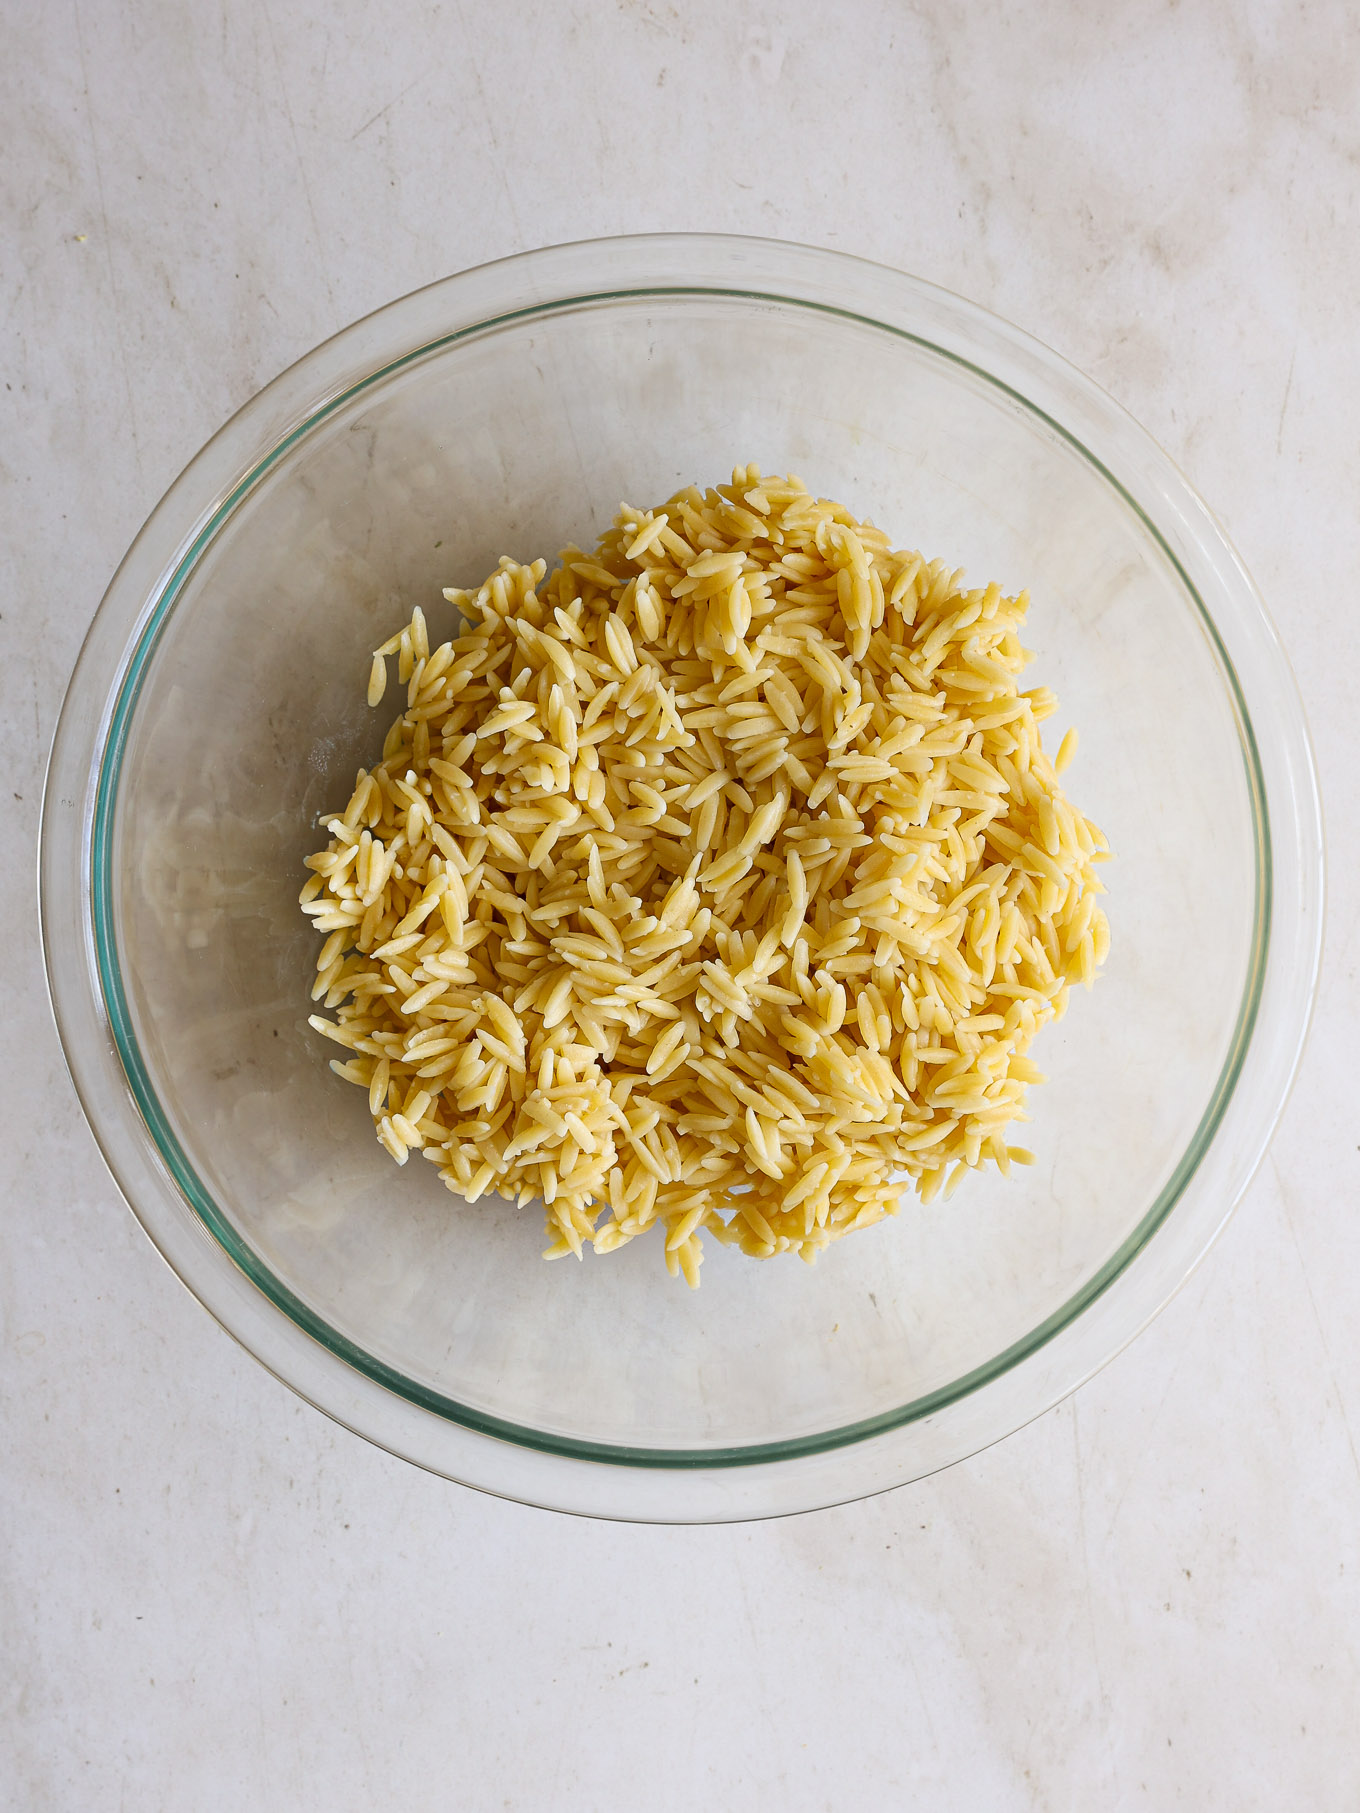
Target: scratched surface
[(210, 1597)]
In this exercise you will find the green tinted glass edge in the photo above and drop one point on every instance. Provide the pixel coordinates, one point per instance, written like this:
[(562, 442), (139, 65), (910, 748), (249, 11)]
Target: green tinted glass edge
[(248, 1262)]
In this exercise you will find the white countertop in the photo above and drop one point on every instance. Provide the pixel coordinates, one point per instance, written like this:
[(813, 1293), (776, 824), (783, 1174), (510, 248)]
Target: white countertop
[(210, 1597)]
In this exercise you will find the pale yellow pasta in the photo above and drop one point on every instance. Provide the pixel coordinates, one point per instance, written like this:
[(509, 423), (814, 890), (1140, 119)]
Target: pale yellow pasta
[(717, 882)]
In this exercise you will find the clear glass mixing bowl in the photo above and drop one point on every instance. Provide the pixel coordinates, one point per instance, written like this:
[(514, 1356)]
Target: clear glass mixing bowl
[(217, 708)]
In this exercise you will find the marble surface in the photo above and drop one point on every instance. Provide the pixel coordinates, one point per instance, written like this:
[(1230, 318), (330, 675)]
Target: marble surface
[(212, 1598)]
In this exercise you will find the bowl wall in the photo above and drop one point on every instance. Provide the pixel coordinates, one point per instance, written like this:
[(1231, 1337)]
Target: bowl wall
[(250, 721)]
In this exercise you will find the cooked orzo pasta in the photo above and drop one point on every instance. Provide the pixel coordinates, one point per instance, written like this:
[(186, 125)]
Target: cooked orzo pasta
[(716, 881)]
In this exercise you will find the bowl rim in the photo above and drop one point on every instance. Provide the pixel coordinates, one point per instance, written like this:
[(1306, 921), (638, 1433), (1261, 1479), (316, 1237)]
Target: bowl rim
[(147, 1159)]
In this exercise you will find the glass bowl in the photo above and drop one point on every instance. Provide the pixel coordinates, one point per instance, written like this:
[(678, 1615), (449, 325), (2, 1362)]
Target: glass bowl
[(217, 708)]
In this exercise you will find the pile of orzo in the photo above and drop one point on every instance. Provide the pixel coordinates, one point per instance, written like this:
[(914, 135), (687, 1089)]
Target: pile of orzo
[(717, 880)]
